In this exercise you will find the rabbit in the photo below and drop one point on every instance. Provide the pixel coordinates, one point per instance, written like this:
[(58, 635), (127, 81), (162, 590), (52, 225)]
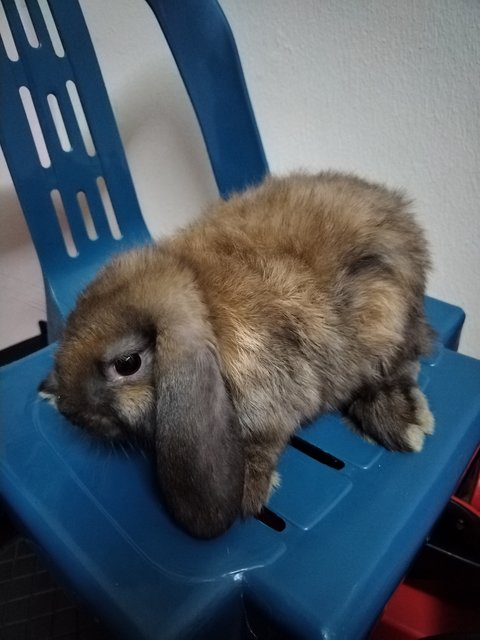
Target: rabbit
[(298, 296)]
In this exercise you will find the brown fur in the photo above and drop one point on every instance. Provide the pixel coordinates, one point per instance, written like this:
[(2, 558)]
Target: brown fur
[(299, 296)]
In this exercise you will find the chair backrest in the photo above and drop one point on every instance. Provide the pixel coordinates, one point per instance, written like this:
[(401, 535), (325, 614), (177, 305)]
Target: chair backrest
[(62, 146), (207, 58)]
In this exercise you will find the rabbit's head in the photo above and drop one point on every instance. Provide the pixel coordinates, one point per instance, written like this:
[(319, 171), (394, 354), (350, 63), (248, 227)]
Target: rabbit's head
[(139, 361)]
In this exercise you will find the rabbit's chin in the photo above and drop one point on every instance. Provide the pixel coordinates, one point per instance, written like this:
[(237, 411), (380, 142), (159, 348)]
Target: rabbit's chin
[(102, 427)]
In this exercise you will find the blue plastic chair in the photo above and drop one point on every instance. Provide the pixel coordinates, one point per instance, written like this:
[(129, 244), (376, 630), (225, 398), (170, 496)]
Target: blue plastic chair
[(342, 530), (196, 32)]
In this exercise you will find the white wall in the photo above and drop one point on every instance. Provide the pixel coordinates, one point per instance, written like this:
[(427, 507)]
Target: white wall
[(387, 89)]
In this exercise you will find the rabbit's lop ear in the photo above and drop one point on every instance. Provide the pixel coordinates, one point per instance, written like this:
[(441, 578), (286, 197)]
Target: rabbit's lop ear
[(197, 441)]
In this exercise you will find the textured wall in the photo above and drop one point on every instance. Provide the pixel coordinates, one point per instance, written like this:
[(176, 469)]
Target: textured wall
[(387, 89)]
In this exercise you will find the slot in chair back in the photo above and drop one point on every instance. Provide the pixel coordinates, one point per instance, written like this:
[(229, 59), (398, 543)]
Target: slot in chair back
[(63, 148)]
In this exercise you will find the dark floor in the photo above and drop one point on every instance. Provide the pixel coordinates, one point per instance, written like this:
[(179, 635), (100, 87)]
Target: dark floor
[(33, 606)]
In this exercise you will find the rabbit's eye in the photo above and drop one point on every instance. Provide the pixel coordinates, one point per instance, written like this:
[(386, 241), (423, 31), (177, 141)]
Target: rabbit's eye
[(128, 365)]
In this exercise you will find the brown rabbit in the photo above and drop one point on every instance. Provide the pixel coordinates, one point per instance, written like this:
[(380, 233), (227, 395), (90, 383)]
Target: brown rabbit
[(302, 295)]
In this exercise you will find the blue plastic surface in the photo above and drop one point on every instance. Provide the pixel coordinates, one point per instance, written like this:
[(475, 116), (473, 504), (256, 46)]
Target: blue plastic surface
[(447, 319), (349, 533)]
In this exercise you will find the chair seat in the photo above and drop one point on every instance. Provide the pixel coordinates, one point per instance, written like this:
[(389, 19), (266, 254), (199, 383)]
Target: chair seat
[(342, 529)]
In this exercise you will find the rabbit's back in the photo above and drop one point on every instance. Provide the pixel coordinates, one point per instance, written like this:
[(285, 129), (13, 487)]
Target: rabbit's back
[(310, 282), (332, 223)]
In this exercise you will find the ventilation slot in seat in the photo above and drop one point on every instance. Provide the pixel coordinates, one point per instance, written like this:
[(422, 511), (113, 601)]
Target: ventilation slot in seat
[(271, 519), (314, 452)]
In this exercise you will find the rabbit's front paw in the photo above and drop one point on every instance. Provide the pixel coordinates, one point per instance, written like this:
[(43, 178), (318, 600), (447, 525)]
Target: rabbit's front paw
[(260, 484)]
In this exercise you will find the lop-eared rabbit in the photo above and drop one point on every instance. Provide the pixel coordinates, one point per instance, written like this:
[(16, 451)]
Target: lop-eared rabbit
[(300, 296)]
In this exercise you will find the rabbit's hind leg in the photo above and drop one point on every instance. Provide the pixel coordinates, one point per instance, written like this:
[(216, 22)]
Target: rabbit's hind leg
[(394, 414)]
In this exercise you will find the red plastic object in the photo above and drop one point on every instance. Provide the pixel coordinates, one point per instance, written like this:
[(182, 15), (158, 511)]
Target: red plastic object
[(473, 490), (412, 613), (420, 611)]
